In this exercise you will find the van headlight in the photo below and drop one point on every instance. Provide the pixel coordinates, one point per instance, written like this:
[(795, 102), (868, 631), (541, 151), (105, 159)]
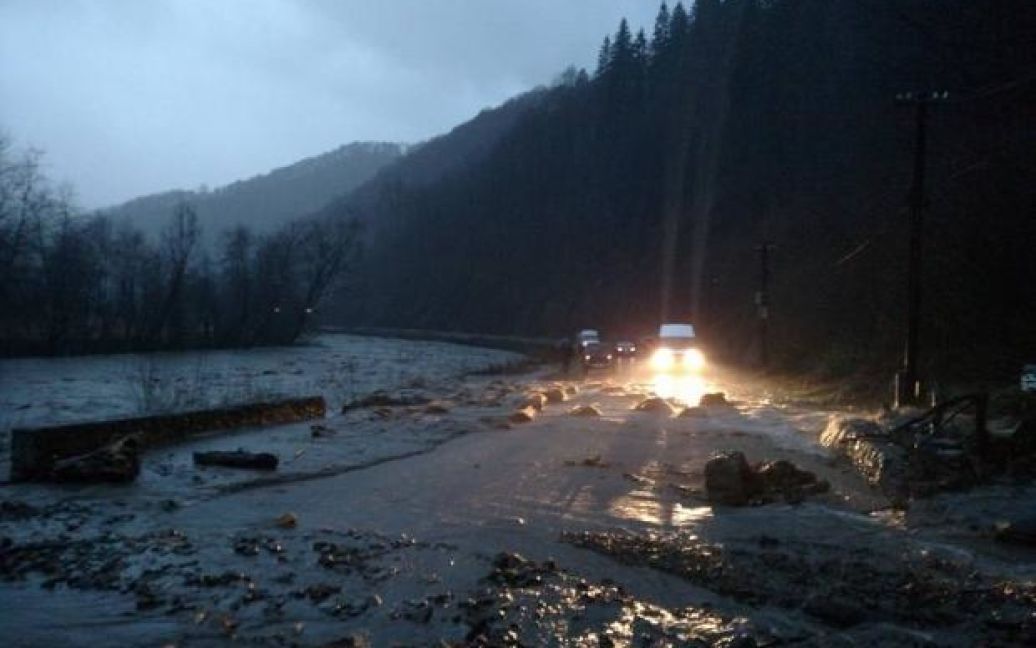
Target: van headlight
[(663, 359), (695, 359)]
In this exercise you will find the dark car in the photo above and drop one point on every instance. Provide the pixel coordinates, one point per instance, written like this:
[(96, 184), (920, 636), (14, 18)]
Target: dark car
[(597, 356), (625, 349)]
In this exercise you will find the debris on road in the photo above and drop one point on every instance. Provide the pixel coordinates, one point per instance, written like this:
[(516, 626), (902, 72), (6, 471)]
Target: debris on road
[(380, 398), (437, 407), (320, 431), (237, 459), (527, 603), (848, 589), (1021, 531), (590, 462)]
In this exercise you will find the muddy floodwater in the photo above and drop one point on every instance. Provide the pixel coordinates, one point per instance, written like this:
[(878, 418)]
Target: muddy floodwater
[(438, 515)]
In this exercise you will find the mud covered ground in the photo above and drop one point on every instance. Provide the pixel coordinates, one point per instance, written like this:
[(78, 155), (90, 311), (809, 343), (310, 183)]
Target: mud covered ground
[(426, 517)]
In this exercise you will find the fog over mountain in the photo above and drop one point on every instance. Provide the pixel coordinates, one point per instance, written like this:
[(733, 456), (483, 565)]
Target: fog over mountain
[(134, 98), (270, 200)]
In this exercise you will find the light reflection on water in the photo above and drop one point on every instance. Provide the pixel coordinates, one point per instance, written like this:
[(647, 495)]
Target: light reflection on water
[(688, 389), (644, 506)]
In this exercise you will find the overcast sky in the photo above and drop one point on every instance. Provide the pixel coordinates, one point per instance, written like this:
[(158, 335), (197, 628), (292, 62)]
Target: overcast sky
[(128, 97)]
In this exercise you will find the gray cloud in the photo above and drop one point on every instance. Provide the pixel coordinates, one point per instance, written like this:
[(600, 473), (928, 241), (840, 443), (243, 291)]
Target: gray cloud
[(128, 97)]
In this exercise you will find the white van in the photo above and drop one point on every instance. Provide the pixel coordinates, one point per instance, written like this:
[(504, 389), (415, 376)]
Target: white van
[(677, 349)]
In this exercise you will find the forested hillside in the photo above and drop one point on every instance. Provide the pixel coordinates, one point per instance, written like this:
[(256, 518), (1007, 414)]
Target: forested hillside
[(267, 201), (87, 283), (641, 191), (250, 264)]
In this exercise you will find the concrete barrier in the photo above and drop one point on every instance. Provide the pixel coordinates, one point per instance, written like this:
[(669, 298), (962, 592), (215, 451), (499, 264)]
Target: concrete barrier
[(34, 450)]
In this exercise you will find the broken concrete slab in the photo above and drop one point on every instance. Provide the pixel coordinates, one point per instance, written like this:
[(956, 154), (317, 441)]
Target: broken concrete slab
[(118, 461)]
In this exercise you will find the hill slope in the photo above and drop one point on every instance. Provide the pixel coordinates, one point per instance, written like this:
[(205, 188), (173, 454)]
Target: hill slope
[(269, 200), (643, 193)]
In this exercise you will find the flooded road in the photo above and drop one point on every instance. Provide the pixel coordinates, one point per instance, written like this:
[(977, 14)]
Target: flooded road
[(419, 525)]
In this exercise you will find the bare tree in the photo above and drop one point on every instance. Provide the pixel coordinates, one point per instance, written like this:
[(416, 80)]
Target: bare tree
[(328, 248), (237, 271), (178, 242)]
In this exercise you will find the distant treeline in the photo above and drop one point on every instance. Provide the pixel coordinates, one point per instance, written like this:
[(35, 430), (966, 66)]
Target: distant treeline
[(72, 283), (641, 192)]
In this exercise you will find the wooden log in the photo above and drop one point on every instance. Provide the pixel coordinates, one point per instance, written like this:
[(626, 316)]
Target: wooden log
[(237, 459)]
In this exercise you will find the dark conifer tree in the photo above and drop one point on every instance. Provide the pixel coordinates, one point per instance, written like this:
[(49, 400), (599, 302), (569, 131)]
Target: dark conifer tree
[(604, 56), (660, 36), (640, 48)]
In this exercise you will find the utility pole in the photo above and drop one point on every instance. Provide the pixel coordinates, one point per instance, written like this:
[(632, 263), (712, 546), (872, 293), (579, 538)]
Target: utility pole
[(762, 303), (908, 380)]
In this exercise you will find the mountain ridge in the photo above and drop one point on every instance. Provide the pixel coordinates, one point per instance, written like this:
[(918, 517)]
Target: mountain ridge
[(267, 200)]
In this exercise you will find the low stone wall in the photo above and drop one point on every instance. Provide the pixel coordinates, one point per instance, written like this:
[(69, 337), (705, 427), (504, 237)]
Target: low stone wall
[(34, 450)]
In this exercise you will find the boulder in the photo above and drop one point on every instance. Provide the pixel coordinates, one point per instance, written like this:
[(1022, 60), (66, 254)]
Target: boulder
[(694, 412), (655, 405), (524, 415), (717, 399), (237, 459), (535, 400), (287, 521), (585, 411), (571, 390), (436, 407), (782, 475), (118, 461), (556, 395), (729, 479), (789, 481)]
